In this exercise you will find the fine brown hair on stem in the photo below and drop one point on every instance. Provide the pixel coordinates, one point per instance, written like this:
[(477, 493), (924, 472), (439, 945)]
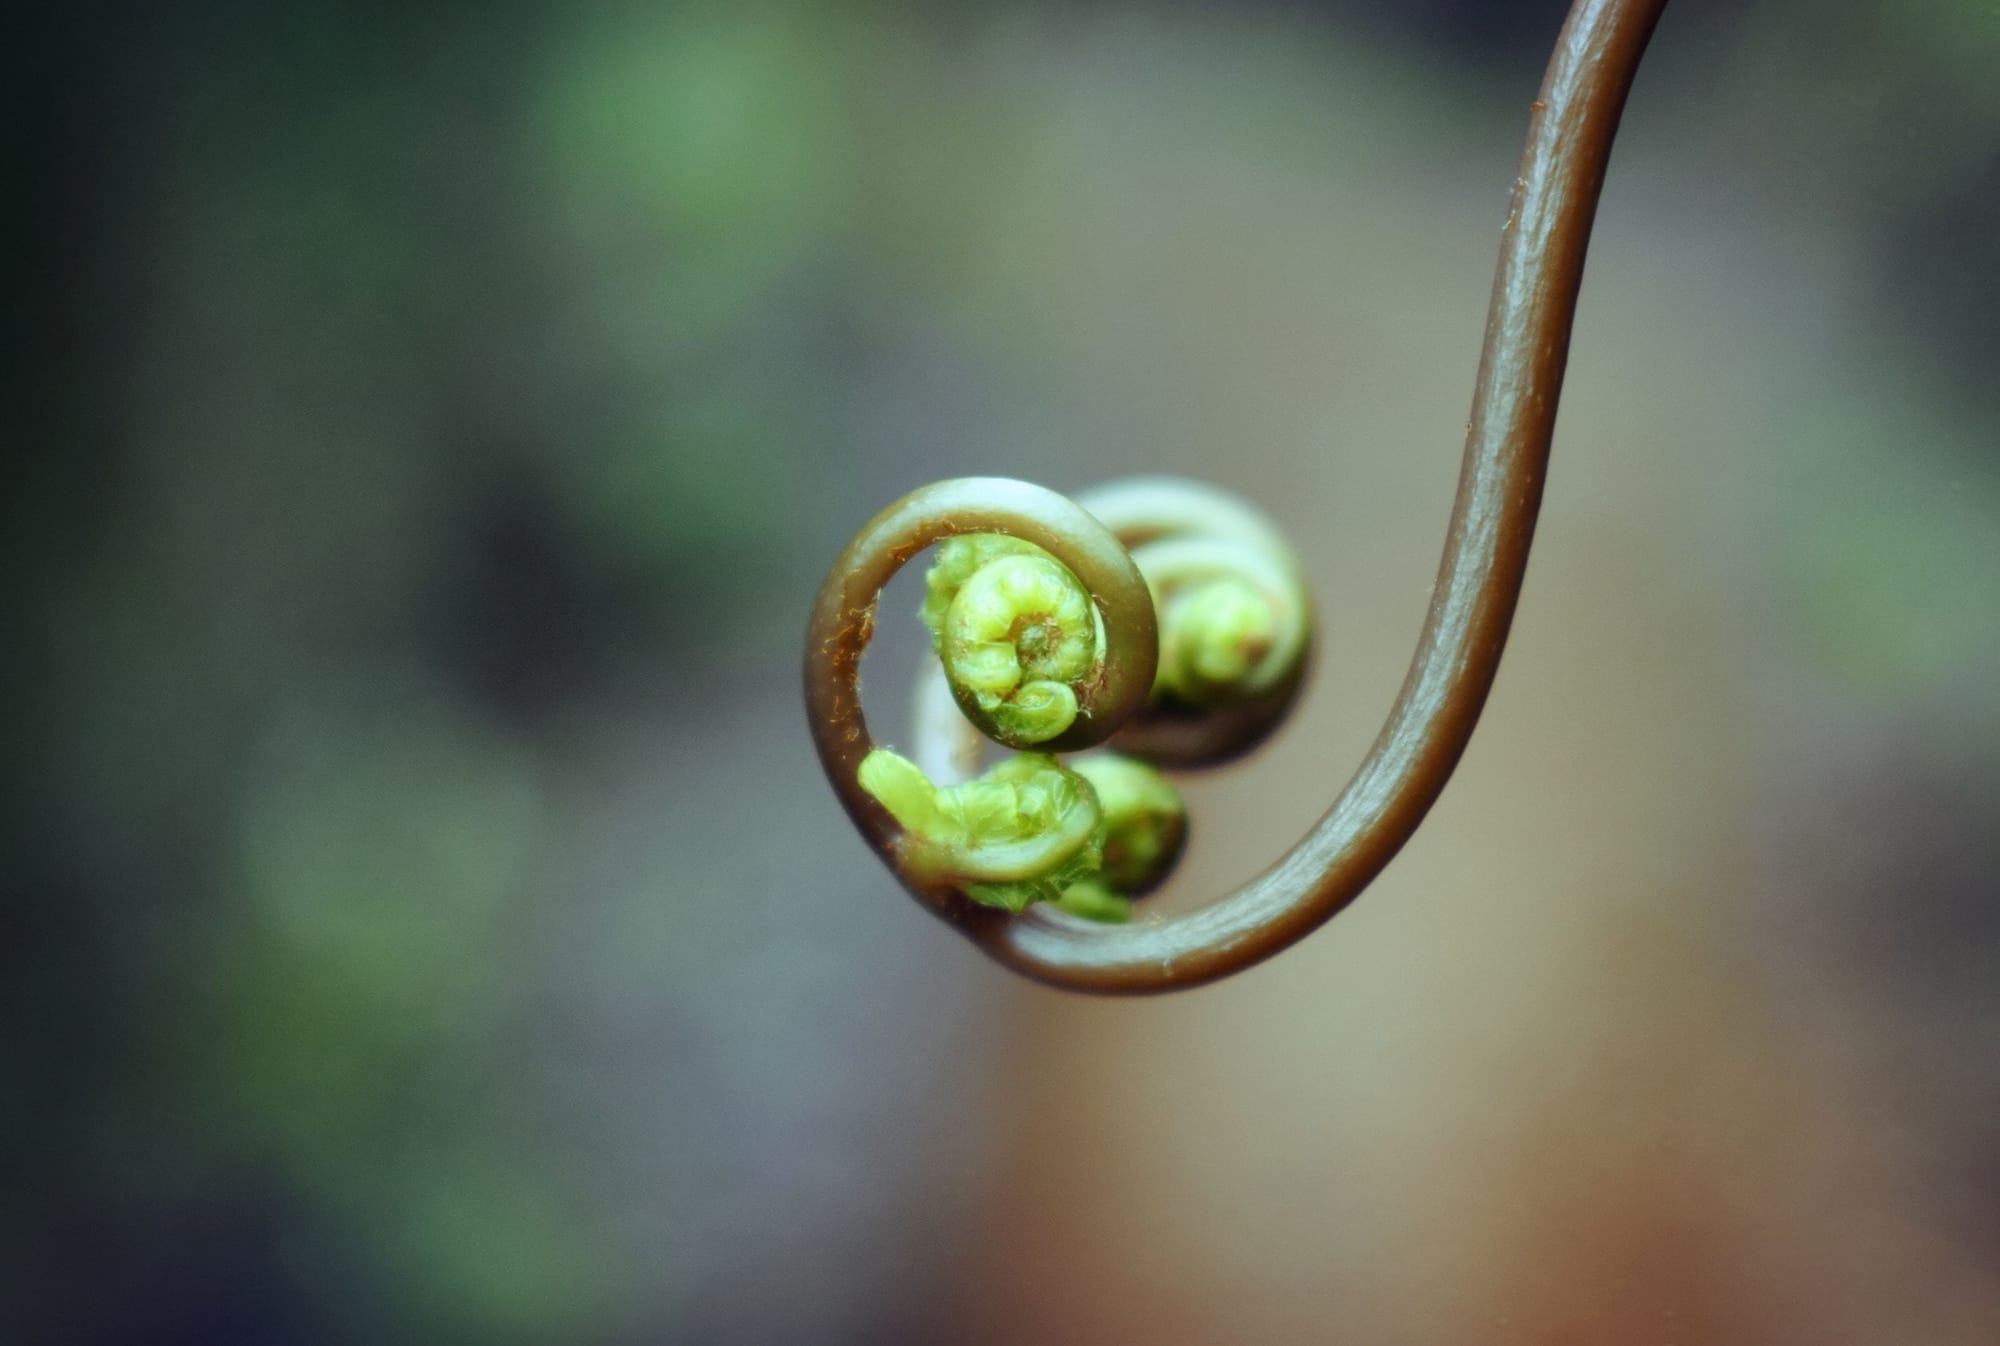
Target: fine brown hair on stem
[(1570, 131)]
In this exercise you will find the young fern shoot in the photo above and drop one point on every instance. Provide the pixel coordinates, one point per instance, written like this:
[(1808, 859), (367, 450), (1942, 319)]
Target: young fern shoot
[(1200, 654), (1022, 645), (1017, 635), (1235, 619)]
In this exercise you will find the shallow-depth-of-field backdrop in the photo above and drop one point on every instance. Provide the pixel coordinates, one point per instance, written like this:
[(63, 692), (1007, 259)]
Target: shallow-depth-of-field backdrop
[(424, 919)]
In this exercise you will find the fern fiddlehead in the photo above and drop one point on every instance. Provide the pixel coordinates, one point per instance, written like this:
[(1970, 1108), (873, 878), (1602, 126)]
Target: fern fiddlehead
[(1025, 650), (1018, 834), (1235, 620), (1572, 125), (1144, 827), (1016, 635)]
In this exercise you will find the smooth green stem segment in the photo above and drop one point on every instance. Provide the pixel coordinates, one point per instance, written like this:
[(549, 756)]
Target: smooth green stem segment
[(1570, 133)]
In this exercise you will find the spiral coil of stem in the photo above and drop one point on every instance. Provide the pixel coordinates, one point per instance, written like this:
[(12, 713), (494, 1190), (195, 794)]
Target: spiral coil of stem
[(1572, 125)]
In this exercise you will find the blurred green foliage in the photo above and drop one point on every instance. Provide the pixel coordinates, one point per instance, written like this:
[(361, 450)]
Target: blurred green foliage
[(491, 382), (1888, 547)]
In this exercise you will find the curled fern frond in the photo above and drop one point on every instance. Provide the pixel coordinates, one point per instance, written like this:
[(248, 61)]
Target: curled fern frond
[(1226, 656), (1016, 633), (1235, 618), (1016, 835), (1141, 834), (1020, 640), (1145, 821)]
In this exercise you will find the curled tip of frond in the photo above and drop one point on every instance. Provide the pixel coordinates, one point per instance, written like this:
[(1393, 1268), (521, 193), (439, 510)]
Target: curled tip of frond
[(1145, 823), (1213, 638), (903, 816), (1017, 835), (1235, 621), (1017, 634)]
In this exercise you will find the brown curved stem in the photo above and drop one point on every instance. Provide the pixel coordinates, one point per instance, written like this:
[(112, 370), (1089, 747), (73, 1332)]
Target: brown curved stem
[(1571, 128)]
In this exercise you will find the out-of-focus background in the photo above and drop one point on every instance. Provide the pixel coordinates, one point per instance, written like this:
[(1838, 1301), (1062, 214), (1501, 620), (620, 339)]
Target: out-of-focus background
[(424, 919)]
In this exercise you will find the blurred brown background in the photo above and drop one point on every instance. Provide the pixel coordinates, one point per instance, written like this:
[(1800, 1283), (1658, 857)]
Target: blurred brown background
[(424, 917)]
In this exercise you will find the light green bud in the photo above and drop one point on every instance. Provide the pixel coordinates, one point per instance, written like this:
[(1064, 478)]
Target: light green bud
[(1016, 633), (1144, 821), (1018, 834)]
